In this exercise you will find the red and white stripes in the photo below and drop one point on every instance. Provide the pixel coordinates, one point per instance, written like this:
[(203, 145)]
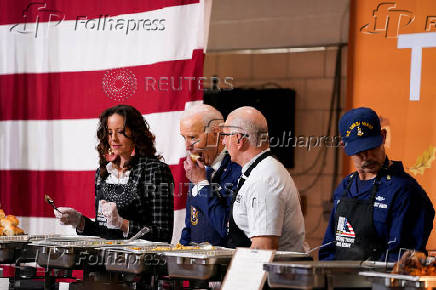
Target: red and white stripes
[(53, 59)]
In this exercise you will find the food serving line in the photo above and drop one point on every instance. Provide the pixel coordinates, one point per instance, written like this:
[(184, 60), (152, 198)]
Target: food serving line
[(146, 265)]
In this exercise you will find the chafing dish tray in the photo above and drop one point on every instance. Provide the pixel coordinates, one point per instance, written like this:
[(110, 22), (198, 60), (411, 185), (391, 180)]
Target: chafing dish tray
[(10, 246), (71, 252), (133, 259), (388, 280), (198, 264), (204, 264), (320, 274), (291, 256), (7, 239)]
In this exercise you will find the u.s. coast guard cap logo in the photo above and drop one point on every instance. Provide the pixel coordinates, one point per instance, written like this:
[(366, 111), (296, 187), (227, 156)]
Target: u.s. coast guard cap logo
[(360, 130)]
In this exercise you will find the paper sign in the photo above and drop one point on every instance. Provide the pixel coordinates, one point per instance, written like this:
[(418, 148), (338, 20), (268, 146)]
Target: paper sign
[(246, 269), (64, 286), (4, 283)]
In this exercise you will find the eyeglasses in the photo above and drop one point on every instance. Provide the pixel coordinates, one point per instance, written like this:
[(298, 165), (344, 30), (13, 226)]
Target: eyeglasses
[(235, 133)]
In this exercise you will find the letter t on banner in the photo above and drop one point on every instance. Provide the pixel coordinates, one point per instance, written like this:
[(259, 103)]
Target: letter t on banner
[(416, 41)]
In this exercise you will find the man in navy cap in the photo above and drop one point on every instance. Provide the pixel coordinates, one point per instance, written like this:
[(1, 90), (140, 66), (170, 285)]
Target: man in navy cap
[(378, 209)]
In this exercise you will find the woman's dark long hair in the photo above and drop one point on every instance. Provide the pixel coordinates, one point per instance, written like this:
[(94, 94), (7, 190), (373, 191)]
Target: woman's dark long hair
[(141, 136)]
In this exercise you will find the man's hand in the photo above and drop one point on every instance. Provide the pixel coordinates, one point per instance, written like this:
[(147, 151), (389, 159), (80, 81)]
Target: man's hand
[(195, 172), (265, 242)]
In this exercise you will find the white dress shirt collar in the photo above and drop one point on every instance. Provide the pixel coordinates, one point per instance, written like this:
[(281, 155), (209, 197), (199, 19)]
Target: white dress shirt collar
[(216, 164)]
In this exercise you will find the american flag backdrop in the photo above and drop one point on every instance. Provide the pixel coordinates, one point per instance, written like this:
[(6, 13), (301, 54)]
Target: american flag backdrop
[(62, 63)]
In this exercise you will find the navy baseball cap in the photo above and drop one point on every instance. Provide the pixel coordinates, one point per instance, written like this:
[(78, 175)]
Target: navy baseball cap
[(360, 130)]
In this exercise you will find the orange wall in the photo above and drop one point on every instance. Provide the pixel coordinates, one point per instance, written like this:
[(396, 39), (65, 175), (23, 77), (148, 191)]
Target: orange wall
[(379, 76)]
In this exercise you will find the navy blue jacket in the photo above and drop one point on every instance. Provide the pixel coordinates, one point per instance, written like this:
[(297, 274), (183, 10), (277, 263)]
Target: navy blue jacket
[(207, 214), (403, 213)]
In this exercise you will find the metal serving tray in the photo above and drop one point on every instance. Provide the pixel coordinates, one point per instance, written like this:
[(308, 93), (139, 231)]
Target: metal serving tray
[(7, 239), (74, 252), (387, 280), (11, 246), (71, 252), (320, 274), (197, 264), (71, 241), (205, 264), (133, 259), (291, 256)]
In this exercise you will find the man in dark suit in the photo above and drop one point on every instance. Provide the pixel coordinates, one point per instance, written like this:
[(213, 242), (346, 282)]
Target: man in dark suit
[(212, 174)]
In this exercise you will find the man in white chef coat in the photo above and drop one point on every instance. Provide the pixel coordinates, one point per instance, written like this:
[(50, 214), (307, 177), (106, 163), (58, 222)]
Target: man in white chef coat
[(266, 212)]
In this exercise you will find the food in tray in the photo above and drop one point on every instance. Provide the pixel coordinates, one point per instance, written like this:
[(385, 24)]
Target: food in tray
[(415, 264), (180, 247), (115, 243), (9, 225)]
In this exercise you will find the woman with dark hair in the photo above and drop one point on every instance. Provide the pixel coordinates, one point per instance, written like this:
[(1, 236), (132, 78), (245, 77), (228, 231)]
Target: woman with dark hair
[(133, 188)]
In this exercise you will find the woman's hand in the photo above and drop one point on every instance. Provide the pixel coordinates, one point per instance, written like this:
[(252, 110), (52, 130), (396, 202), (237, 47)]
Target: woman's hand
[(110, 212), (68, 216)]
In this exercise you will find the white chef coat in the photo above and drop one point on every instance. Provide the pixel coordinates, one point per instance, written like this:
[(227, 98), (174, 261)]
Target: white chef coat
[(268, 204)]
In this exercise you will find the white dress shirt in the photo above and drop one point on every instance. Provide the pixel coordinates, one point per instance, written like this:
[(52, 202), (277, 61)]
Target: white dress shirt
[(113, 177)]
